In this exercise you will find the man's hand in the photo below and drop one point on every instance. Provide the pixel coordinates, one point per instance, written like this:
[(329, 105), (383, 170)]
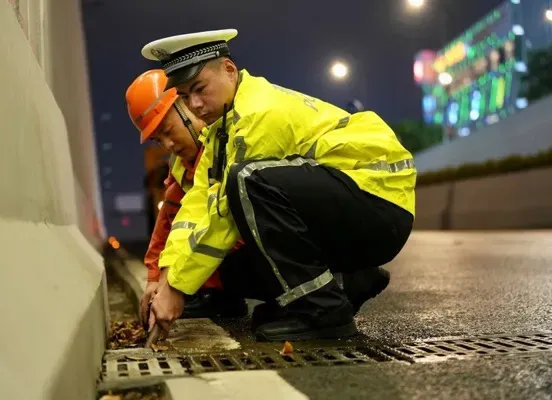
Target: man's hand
[(167, 306), (147, 298), (151, 290)]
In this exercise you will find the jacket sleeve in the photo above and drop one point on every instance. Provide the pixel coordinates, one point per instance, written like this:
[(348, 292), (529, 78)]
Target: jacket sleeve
[(200, 238), (172, 197)]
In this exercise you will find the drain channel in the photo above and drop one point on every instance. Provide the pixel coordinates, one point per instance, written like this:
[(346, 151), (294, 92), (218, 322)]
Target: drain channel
[(481, 346), (121, 367)]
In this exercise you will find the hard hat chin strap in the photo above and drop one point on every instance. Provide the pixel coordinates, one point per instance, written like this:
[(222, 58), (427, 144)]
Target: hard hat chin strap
[(188, 124)]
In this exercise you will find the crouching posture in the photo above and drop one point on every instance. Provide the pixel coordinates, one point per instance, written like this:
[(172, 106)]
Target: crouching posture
[(314, 192)]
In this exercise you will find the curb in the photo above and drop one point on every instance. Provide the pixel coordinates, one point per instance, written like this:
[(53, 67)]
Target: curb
[(132, 273)]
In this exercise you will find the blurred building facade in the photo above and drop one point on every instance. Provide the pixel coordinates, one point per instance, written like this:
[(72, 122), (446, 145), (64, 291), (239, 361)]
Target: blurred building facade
[(474, 81)]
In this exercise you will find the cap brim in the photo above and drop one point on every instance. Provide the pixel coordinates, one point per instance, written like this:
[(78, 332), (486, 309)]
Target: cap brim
[(184, 75)]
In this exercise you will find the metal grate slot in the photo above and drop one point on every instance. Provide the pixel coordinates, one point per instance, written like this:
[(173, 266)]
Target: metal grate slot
[(437, 350), (124, 368)]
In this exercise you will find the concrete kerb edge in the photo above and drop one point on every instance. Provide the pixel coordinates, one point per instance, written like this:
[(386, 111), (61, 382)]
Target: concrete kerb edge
[(127, 271)]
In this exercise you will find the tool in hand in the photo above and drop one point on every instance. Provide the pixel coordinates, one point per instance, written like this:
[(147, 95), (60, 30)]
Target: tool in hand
[(153, 337), (155, 333)]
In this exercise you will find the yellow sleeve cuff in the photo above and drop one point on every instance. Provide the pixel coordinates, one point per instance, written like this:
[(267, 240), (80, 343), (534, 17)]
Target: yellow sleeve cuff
[(185, 287)]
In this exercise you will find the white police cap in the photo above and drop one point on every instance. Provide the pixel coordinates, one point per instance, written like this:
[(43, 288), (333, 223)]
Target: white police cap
[(184, 56)]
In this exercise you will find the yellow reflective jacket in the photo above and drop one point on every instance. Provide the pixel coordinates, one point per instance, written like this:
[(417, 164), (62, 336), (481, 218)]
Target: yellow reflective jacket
[(272, 122), (183, 175)]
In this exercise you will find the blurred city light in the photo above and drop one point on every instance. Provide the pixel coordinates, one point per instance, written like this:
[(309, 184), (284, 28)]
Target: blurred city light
[(339, 70), (445, 78), (416, 3)]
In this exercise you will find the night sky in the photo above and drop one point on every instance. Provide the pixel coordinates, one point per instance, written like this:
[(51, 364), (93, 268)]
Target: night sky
[(290, 43)]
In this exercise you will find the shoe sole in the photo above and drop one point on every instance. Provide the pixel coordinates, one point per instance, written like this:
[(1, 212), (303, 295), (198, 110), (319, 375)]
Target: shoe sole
[(340, 332)]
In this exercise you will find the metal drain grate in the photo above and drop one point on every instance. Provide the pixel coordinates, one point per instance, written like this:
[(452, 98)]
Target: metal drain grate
[(299, 358), (122, 367), (437, 350)]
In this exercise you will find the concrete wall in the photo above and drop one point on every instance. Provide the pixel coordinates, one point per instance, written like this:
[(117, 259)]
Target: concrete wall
[(526, 132), (511, 201), (51, 278), (55, 36)]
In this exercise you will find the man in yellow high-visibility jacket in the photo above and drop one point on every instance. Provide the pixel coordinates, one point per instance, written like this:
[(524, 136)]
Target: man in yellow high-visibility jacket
[(312, 190)]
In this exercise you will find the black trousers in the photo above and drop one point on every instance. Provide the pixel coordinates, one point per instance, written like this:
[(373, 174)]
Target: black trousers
[(300, 223)]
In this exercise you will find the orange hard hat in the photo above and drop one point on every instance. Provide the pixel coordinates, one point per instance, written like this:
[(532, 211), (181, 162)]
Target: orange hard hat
[(148, 101)]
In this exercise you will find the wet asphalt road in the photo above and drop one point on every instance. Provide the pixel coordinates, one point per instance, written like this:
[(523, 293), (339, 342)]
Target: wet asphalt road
[(464, 284), (458, 284), (442, 285)]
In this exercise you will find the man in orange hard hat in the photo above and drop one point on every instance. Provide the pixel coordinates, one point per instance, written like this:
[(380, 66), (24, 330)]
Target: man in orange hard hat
[(162, 117)]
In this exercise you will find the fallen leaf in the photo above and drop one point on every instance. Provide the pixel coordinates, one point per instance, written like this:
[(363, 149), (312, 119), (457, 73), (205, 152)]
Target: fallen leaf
[(126, 334), (288, 348), (157, 348)]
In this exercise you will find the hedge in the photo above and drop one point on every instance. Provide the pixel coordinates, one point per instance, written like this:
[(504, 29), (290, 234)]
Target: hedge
[(487, 168)]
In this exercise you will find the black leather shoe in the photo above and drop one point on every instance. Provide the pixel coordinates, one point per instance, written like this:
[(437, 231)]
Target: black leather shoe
[(364, 285), (294, 329), (265, 313), (306, 323), (214, 304)]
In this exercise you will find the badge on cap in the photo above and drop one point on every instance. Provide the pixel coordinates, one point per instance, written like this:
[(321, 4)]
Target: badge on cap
[(160, 54)]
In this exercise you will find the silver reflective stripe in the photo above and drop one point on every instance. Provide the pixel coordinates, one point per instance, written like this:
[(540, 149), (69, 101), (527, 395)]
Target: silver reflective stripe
[(204, 248), (305, 288), (183, 225), (343, 122), (312, 151), (210, 200), (389, 167), (236, 117), (241, 148), (248, 207)]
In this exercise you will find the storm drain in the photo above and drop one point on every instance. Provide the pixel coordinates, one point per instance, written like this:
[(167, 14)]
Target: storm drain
[(123, 367), (437, 350), (119, 367)]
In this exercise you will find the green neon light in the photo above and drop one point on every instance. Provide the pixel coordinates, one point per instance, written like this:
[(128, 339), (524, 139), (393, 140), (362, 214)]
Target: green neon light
[(500, 92), (465, 108), (492, 98), (483, 101)]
